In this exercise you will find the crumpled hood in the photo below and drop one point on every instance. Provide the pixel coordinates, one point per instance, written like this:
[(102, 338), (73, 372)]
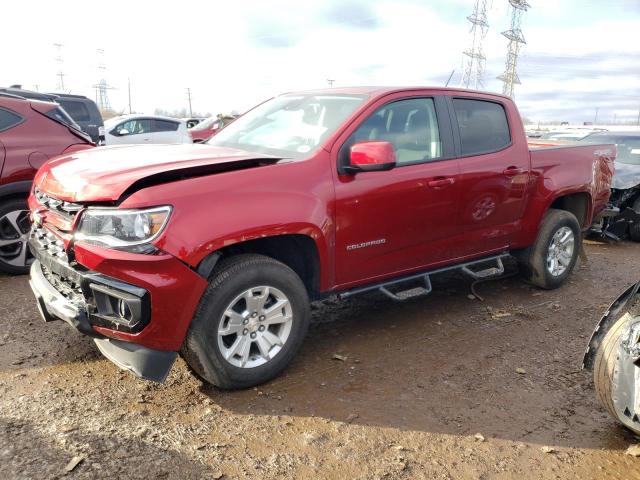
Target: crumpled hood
[(103, 174), (626, 176)]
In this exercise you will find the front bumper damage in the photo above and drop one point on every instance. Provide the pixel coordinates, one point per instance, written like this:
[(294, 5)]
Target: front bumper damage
[(625, 381), (53, 305)]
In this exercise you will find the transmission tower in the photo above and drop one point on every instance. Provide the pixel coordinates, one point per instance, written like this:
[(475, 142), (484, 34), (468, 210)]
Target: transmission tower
[(102, 97), (516, 39), (474, 59), (60, 74)]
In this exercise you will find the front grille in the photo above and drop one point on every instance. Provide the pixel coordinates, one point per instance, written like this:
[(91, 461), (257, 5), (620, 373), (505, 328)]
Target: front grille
[(45, 241), (68, 209)]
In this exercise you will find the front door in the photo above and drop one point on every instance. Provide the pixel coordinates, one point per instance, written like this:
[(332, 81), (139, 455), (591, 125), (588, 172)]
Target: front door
[(398, 220)]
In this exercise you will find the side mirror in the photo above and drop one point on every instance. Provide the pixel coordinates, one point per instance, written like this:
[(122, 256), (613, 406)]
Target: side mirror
[(371, 157), (123, 131)]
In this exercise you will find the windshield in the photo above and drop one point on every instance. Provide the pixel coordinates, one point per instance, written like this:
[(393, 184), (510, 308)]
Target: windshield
[(628, 146), (205, 124), (291, 125)]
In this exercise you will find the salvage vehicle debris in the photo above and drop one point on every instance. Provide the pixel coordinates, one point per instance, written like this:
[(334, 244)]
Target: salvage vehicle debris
[(613, 355), (215, 250), (621, 219)]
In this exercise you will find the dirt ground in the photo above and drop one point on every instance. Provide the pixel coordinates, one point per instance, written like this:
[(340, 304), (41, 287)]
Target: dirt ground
[(419, 380)]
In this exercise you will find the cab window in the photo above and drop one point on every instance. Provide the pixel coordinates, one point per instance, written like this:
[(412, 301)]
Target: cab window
[(410, 125)]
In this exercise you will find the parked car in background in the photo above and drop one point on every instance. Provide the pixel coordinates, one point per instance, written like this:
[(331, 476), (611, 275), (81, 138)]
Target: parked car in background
[(216, 250), (31, 132), (209, 127), (192, 122), (149, 129), (83, 110), (622, 218)]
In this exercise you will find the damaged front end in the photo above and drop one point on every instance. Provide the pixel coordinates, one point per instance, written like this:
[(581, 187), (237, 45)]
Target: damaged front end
[(622, 213), (613, 355), (621, 218)]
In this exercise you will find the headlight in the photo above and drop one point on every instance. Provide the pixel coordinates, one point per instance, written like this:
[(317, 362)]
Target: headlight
[(121, 229)]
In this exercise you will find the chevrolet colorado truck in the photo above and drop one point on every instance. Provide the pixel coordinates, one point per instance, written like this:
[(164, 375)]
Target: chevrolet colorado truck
[(215, 250)]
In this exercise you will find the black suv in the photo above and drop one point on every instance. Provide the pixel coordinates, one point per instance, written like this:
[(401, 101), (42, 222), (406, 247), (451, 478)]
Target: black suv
[(82, 109)]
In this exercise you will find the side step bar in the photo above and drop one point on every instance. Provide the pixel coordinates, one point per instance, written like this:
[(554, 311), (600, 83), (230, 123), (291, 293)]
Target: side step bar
[(466, 268)]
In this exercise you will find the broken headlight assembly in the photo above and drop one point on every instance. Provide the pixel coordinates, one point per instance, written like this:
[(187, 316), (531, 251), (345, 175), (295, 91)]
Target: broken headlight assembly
[(122, 229)]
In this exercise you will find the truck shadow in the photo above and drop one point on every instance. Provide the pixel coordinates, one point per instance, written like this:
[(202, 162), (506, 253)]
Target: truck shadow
[(508, 367)]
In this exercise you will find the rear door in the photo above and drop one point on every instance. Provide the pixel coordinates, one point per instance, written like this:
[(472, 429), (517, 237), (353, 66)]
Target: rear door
[(165, 131), (8, 120), (494, 172), (399, 220)]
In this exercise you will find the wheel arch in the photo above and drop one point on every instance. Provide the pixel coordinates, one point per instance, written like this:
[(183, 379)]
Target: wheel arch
[(298, 251), (577, 203)]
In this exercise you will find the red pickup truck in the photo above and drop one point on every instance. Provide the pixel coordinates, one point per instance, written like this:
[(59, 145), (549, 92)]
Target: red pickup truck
[(215, 250)]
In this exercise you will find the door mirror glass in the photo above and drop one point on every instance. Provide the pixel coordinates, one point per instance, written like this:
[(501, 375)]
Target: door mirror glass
[(123, 131), (371, 157)]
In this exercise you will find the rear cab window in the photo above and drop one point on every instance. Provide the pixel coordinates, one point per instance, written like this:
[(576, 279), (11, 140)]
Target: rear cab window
[(483, 126), (9, 119)]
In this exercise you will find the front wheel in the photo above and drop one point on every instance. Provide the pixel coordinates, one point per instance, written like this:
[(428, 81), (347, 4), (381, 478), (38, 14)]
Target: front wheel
[(250, 323), (15, 256), (550, 260)]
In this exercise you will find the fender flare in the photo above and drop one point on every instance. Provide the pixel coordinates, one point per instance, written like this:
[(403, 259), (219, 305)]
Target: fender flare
[(14, 188)]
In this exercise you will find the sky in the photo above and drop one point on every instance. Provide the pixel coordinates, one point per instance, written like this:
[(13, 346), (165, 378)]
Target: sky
[(580, 56)]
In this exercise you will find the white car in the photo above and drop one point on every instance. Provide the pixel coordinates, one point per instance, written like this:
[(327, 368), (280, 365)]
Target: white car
[(144, 129)]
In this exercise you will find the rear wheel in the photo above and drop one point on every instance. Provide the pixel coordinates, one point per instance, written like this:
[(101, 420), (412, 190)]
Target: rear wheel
[(550, 260), (250, 323), (15, 256), (634, 229)]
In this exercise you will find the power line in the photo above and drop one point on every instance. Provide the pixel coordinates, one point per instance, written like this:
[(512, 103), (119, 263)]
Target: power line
[(473, 73), (516, 38), (59, 61)]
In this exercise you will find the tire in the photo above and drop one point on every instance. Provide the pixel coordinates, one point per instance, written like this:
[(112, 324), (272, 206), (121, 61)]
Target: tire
[(15, 256), (604, 365), (533, 261), (235, 278), (634, 229)]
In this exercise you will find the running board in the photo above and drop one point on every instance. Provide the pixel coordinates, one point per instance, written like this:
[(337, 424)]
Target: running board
[(425, 277)]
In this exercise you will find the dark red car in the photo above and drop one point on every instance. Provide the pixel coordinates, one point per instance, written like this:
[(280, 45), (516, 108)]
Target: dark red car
[(214, 251), (31, 132), (206, 129)]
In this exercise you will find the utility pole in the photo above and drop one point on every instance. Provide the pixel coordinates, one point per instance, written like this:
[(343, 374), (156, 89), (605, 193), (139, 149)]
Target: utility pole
[(129, 90), (102, 88), (638, 118), (189, 97), (472, 77), (60, 74), (516, 38), (595, 120), (330, 82), (449, 79)]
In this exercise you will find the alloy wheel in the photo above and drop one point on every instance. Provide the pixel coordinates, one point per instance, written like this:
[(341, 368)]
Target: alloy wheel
[(14, 237), (255, 327)]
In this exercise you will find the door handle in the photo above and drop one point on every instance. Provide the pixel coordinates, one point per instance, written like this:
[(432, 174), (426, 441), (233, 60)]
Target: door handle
[(441, 182), (512, 171)]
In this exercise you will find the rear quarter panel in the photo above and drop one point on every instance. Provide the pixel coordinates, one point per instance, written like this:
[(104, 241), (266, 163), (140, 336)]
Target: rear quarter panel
[(558, 171)]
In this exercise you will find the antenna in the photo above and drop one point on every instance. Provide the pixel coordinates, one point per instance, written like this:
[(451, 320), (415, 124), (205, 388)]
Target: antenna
[(59, 61), (516, 38), (475, 59), (102, 98)]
